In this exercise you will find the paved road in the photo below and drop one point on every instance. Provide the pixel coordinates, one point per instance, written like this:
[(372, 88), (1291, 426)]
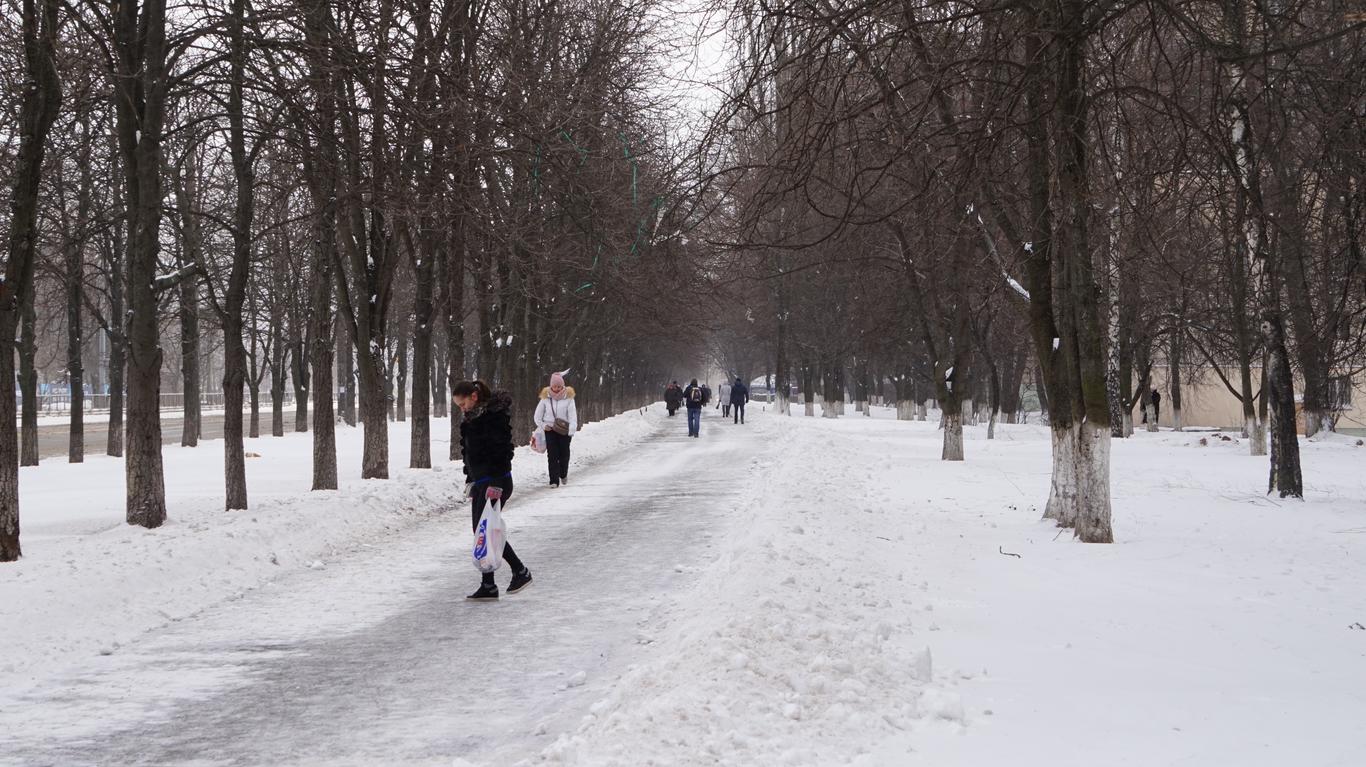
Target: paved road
[(54, 440), (378, 659)]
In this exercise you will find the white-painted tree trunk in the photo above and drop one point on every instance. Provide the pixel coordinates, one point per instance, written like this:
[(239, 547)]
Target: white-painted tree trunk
[(1128, 423), (921, 412), (784, 406), (1316, 421), (1093, 484), (1256, 436), (953, 437), (1062, 492), (991, 426), (810, 409), (833, 409), (969, 412), (1176, 419)]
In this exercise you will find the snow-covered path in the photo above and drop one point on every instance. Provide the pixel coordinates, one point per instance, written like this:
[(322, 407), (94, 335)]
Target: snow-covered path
[(379, 659), (799, 591)]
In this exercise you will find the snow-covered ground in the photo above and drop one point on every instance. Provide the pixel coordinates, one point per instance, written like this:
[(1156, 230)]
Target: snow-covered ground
[(791, 591)]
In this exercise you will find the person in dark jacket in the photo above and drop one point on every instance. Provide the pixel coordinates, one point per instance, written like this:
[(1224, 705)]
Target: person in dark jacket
[(673, 396), (486, 444), (739, 395), (1157, 405), (694, 397)]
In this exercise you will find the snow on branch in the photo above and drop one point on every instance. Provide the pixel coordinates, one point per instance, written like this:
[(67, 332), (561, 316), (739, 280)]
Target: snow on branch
[(1017, 287), (168, 281)]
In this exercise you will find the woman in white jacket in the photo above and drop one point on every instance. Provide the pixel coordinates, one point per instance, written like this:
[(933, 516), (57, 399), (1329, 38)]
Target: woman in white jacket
[(557, 405)]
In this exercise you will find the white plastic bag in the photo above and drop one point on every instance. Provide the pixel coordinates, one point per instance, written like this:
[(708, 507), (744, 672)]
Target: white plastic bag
[(489, 536), (538, 440)]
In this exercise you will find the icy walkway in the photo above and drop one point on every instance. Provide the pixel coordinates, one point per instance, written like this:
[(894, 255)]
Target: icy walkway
[(378, 659)]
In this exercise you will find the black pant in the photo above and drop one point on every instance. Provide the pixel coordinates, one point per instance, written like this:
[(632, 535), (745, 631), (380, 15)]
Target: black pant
[(557, 452), (739, 408), (477, 507)]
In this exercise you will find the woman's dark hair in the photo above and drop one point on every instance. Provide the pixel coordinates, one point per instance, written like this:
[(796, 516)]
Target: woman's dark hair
[(466, 388)]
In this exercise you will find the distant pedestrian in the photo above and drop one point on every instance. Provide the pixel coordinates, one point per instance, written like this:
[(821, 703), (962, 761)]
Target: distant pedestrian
[(486, 444), (723, 398), (739, 395), (673, 397), (558, 416), (1157, 405), (694, 398)]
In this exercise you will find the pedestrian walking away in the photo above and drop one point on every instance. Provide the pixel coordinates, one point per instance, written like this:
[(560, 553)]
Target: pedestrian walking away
[(558, 417), (1157, 406), (486, 444), (673, 397), (694, 397), (739, 395), (723, 398)]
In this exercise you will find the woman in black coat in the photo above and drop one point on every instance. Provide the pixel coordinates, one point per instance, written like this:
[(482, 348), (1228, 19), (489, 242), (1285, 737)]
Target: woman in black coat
[(486, 444)]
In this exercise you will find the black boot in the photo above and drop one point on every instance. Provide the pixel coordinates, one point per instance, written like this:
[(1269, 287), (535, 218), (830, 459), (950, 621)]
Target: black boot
[(519, 581), (487, 592)]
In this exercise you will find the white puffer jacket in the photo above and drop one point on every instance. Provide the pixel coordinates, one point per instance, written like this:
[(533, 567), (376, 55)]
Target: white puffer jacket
[(548, 410)]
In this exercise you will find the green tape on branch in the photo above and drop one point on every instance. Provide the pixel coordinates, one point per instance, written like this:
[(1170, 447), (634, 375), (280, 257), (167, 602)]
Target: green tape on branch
[(581, 287)]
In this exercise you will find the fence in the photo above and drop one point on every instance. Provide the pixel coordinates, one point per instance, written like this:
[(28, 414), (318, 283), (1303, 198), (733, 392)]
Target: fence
[(60, 404)]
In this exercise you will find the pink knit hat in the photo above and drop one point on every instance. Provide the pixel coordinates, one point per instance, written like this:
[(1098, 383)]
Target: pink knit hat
[(556, 380)]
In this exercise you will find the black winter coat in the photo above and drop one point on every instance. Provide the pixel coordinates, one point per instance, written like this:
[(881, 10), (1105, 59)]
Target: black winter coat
[(486, 439), (739, 394)]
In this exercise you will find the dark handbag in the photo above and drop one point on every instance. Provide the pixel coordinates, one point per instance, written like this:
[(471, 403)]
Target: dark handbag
[(560, 426)]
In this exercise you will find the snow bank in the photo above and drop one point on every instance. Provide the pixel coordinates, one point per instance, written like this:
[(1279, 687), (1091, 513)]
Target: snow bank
[(877, 606), (89, 583), (798, 647)]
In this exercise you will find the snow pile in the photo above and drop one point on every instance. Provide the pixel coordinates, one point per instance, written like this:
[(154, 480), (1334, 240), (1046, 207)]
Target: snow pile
[(798, 647), (89, 583)]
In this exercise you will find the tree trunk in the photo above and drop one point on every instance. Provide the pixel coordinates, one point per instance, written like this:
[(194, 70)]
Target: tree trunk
[(1093, 481), (808, 391), (277, 382), (401, 394), (189, 363), (75, 367), (234, 381), (436, 366), (373, 413), (783, 389), (254, 400), (1174, 380), (118, 362), (1062, 496), (1284, 475), (299, 376), (1284, 472), (420, 446), (346, 375), (28, 375), (953, 436), (141, 83), (37, 112), (322, 343)]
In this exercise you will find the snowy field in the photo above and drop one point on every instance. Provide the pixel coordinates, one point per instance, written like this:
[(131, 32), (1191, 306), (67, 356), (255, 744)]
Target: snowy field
[(792, 591)]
